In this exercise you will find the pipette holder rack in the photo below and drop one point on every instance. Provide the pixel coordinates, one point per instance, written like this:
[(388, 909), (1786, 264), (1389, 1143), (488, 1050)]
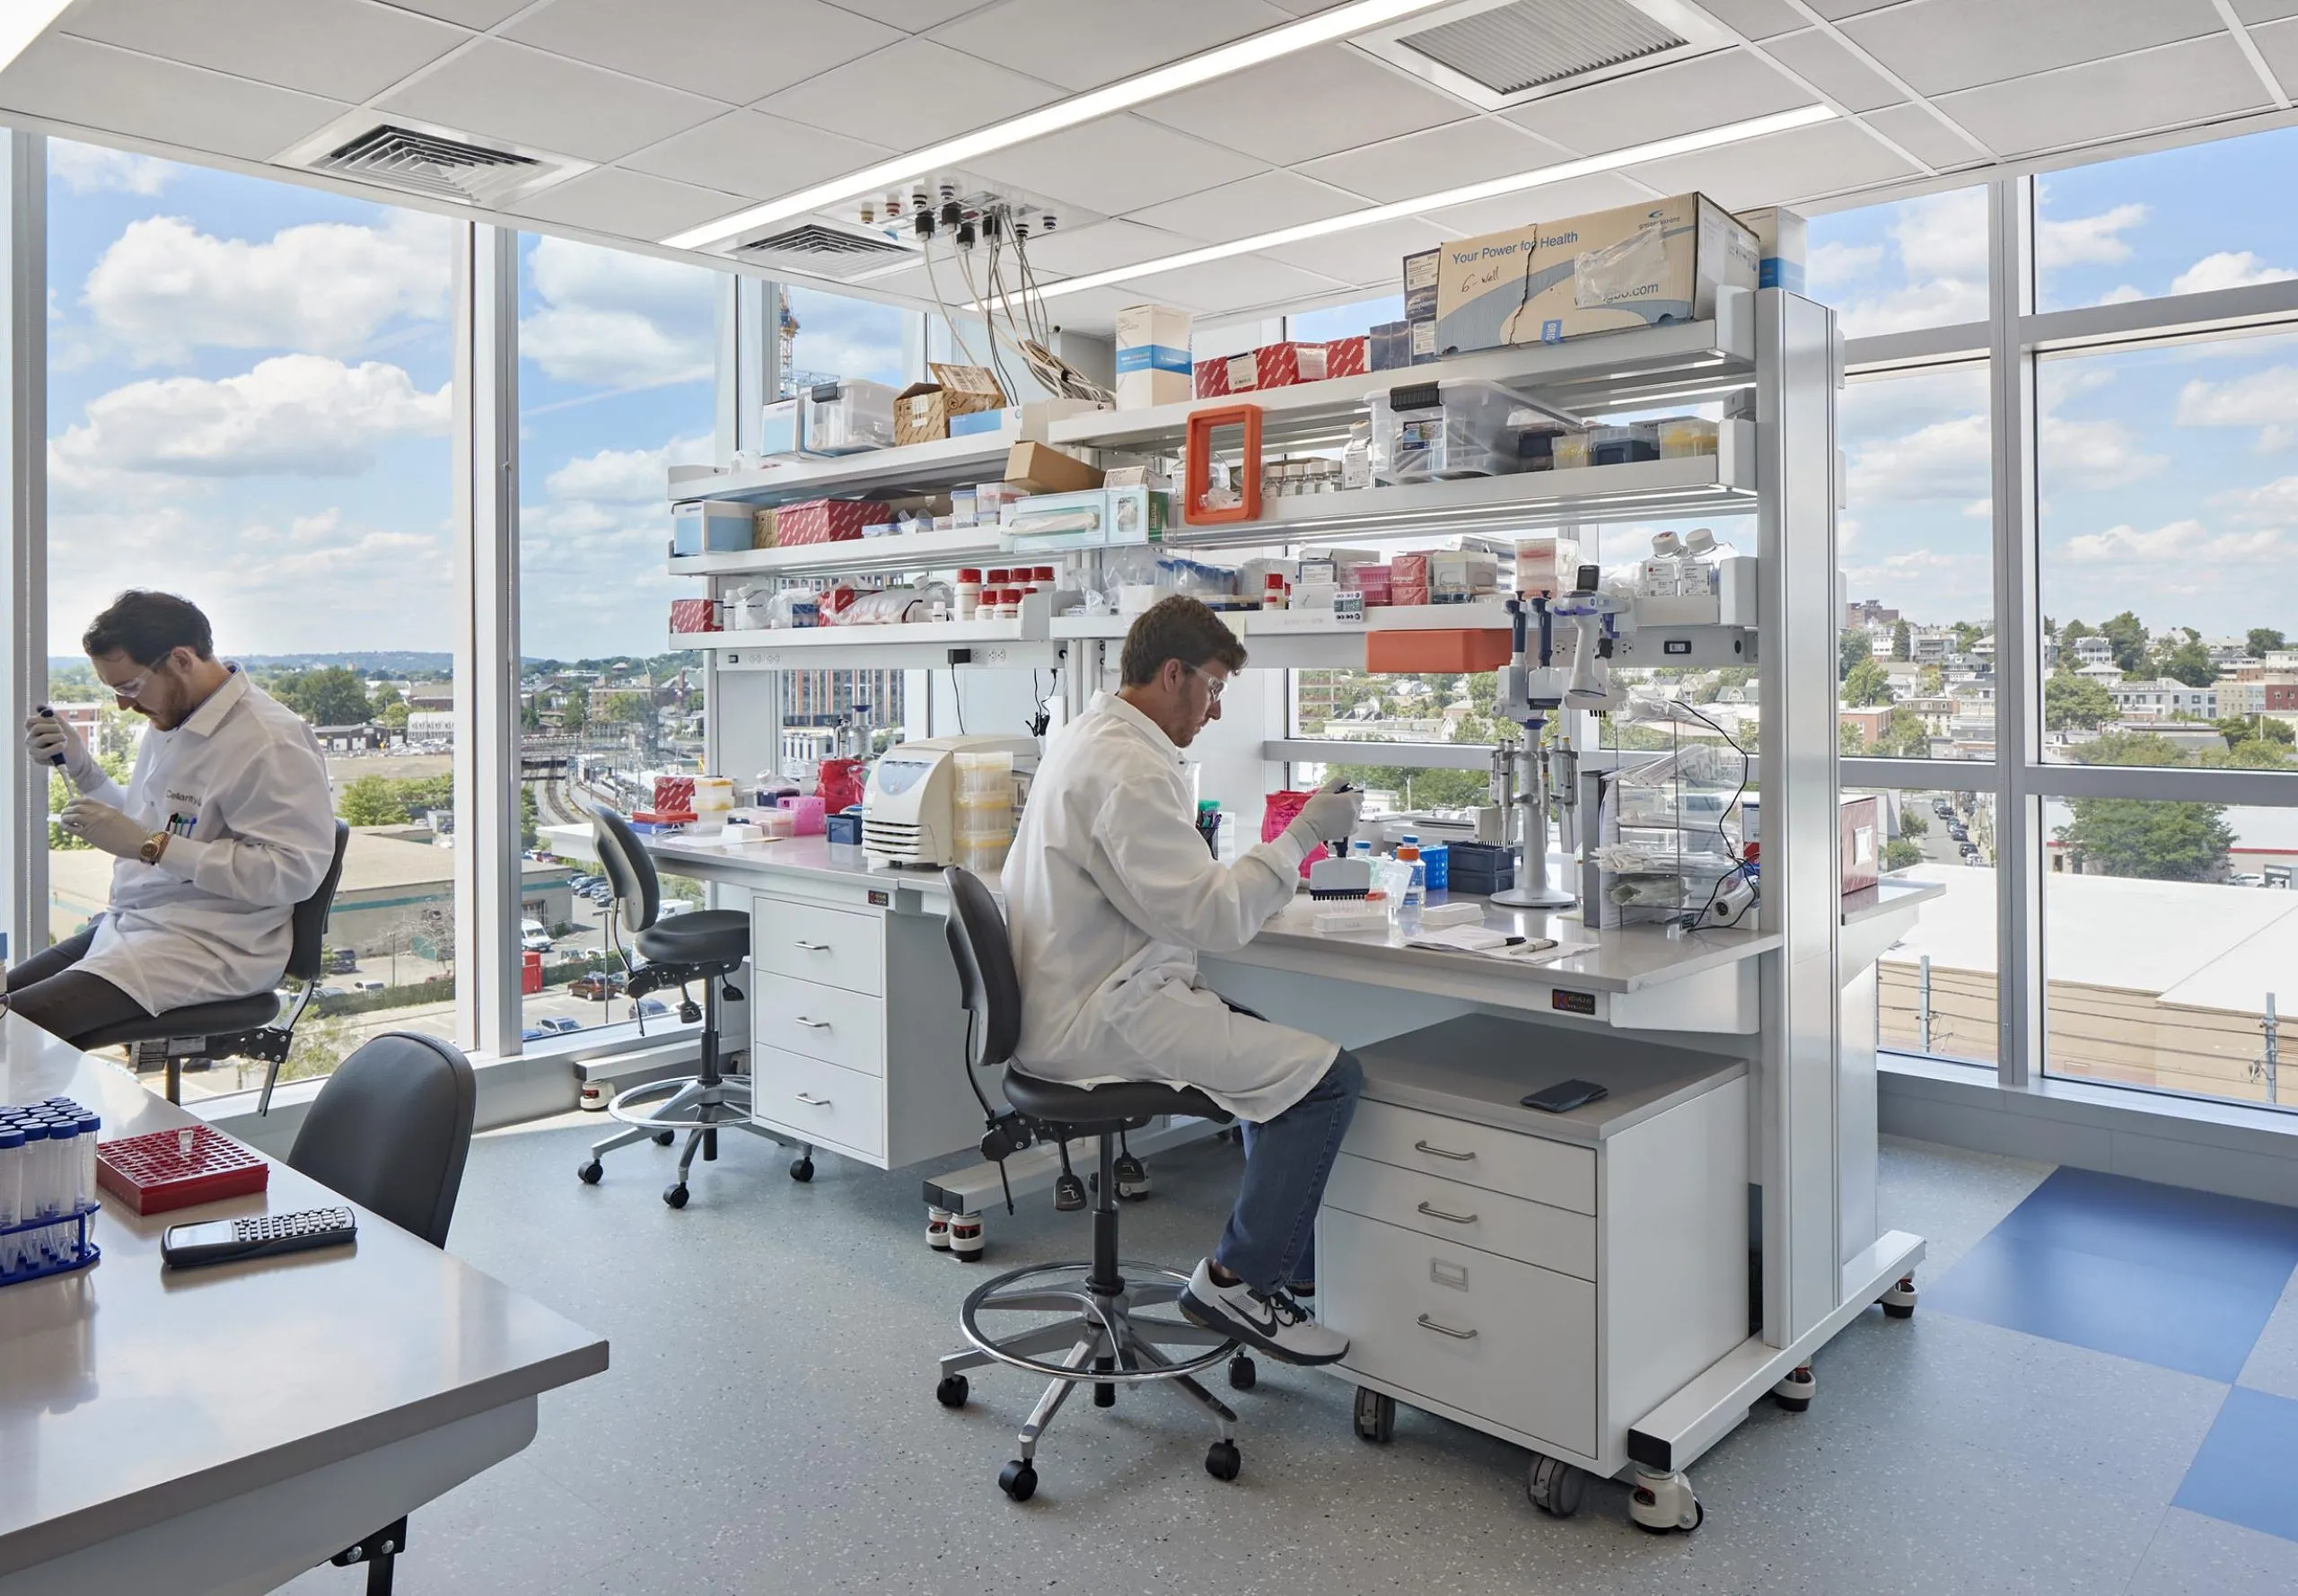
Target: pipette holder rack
[(78, 1254)]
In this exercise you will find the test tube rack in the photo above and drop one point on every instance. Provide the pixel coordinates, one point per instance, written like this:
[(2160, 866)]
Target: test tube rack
[(54, 1242)]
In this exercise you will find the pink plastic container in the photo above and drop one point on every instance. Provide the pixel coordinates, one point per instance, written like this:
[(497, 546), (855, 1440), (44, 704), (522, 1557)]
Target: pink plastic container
[(805, 814)]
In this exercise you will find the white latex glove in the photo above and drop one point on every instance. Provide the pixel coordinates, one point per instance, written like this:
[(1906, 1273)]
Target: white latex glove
[(49, 735), (1330, 816), (101, 826)]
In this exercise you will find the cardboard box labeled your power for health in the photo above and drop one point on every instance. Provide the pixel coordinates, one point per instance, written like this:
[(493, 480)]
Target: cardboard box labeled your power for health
[(1639, 266)]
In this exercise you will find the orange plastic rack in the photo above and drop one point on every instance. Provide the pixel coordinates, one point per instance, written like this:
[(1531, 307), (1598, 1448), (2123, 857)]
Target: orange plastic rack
[(1198, 473)]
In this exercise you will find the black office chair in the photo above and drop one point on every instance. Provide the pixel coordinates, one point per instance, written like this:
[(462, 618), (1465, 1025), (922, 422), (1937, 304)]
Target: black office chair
[(201, 1034), (1111, 1340), (390, 1131), (703, 944)]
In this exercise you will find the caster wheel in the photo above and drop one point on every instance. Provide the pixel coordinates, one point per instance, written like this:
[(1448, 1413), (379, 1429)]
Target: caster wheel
[(1376, 1416), (1222, 1461), (1898, 1302), (1243, 1373), (664, 1139), (675, 1196), (1793, 1394), (589, 1172), (1018, 1480), (1555, 1486), (1659, 1504), (801, 1171), (953, 1391)]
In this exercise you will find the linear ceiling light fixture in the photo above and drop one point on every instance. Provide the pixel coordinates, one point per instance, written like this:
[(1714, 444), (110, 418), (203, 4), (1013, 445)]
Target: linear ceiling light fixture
[(1635, 155), (23, 20), (1323, 28)]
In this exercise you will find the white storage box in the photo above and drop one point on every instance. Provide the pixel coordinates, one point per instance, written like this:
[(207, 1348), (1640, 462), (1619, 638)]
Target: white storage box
[(1153, 356), (849, 417), (707, 526)]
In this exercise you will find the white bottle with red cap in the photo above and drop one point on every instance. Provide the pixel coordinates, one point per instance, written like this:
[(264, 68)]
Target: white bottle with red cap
[(968, 591)]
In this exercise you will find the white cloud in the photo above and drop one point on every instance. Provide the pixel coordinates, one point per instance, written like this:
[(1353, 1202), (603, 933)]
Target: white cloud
[(625, 476), (2094, 454), (2121, 294), (2266, 399), (1942, 235), (613, 320), (594, 581), (2228, 269), (164, 288), (2181, 540), (2270, 503), (2086, 241), (293, 414), (90, 169), (1835, 263), (1945, 460)]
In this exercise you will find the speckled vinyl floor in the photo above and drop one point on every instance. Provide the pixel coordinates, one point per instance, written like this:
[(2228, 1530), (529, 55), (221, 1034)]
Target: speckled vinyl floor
[(768, 1424)]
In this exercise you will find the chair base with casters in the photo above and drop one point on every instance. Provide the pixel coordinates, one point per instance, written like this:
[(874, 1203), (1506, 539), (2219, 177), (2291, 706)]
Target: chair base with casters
[(1119, 1326)]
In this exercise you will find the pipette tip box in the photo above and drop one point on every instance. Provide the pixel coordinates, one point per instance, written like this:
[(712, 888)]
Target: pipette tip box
[(154, 1173)]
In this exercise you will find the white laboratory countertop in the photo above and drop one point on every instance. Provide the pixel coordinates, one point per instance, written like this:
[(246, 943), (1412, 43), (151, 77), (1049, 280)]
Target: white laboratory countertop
[(1889, 895), (129, 1395)]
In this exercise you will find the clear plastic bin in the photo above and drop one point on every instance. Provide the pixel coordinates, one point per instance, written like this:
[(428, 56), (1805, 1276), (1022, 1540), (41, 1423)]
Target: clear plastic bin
[(1428, 431), (1619, 445), (1684, 436), (848, 417)]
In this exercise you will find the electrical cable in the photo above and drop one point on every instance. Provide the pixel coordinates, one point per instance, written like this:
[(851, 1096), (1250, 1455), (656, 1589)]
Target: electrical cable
[(957, 337), (1722, 835)]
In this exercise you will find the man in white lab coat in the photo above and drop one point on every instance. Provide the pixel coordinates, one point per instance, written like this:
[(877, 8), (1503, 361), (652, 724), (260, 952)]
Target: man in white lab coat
[(1111, 894), (224, 826)]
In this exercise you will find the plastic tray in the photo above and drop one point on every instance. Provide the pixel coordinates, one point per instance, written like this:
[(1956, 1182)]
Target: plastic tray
[(83, 1253), (151, 1175)]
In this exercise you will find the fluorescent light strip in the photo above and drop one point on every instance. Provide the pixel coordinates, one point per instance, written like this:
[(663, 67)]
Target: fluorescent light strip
[(1659, 150), (1323, 28)]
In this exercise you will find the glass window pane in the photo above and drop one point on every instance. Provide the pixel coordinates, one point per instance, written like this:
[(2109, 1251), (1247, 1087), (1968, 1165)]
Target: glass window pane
[(1343, 321), (616, 382), (1917, 659), (1935, 988), (1896, 268), (2175, 222), (2170, 934), (830, 335), (249, 404), (2166, 504)]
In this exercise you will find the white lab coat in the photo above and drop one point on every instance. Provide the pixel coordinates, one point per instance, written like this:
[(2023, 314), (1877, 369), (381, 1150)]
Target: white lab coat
[(242, 790), (1110, 895)]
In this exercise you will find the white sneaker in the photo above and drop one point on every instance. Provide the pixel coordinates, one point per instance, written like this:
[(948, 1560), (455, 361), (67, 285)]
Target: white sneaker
[(1274, 1324)]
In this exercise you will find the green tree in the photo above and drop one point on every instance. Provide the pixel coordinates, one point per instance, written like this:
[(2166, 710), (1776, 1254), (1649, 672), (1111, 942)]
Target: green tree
[(1902, 640), (1914, 821), (2162, 842), (2262, 642), (2073, 703), (2281, 732), (1967, 635), (2187, 661), (2131, 748), (530, 817), (1866, 684), (1849, 741), (575, 709), (1899, 853), (1904, 736), (1422, 789), (2073, 630), (2128, 635), (393, 717), (1931, 683), (330, 695), (1850, 652), (371, 801)]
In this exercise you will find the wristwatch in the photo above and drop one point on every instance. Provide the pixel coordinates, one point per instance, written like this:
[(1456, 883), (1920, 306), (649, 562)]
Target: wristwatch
[(153, 846)]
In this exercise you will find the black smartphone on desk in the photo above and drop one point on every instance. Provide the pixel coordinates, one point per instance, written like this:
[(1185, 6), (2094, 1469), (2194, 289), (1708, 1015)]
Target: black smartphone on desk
[(1564, 1096)]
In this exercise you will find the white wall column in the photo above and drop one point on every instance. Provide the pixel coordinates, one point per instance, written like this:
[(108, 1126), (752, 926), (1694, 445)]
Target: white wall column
[(24, 603)]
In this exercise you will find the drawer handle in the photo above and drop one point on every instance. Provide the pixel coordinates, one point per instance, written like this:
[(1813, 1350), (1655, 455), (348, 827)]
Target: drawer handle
[(813, 1101), (1442, 1152), (1428, 1323), (1453, 1218), (812, 947), (810, 1024)]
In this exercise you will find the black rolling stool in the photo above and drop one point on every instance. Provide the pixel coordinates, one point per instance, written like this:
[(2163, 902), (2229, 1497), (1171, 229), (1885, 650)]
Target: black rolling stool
[(705, 945), (198, 1034), (1108, 1334)]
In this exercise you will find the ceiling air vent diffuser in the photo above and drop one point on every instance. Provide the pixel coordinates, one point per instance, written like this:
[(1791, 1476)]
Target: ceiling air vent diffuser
[(1499, 53), (419, 158), (813, 241)]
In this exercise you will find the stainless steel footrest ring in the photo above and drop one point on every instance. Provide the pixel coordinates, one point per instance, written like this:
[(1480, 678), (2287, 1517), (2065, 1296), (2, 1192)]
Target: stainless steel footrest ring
[(1068, 1279), (631, 1106)]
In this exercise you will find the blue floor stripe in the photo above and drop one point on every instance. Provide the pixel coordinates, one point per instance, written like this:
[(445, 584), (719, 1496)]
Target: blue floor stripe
[(2247, 1470)]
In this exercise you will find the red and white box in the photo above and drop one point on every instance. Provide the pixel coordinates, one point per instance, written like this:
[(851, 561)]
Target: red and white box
[(674, 794), (1374, 582), (1276, 365), (695, 614), (1349, 358), (825, 521), (1212, 379)]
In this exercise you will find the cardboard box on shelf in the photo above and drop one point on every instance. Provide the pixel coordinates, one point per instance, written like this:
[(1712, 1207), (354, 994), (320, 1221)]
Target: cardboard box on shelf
[(1039, 468), (1349, 358), (1276, 365), (1388, 347), (709, 526), (1153, 363), (1779, 247), (694, 615), (1637, 265), (781, 429), (923, 411), (763, 531), (1421, 273), (825, 520), (1212, 377)]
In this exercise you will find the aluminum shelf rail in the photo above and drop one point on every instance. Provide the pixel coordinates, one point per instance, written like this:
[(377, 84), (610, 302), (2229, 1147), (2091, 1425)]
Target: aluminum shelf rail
[(945, 463)]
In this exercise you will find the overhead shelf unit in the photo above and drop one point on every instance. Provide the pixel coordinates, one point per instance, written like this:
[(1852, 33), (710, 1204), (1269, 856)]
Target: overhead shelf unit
[(912, 467)]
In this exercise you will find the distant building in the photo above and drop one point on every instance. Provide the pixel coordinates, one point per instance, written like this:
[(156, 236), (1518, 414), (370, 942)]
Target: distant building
[(1872, 721), (87, 721), (2263, 695), (2163, 699), (431, 695), (2093, 650), (1930, 645), (1869, 613), (430, 727)]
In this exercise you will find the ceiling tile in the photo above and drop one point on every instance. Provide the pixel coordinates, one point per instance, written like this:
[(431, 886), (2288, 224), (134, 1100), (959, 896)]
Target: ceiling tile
[(1261, 203), (1102, 246), (471, 14), (95, 86), (966, 94), (1605, 191), (1232, 284), (1315, 102), (1364, 257), (1939, 45), (627, 203), (2185, 83), (735, 50), (2278, 43), (1837, 10), (1919, 132), (530, 97), (1096, 310), (1831, 69), (346, 49), (1117, 164), (1706, 92), (2264, 11), (1802, 163), (1448, 157), (1755, 19), (913, 16), (1082, 44), (746, 152)]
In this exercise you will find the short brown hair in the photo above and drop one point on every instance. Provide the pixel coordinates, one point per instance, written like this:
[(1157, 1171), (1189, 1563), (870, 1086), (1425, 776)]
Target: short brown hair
[(1177, 627), (148, 626)]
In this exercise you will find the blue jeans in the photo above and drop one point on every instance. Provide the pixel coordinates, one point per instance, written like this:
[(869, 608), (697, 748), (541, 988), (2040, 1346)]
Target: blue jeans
[(1271, 1236)]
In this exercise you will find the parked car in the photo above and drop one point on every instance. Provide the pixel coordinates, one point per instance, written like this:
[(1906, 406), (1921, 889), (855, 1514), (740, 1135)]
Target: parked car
[(552, 1025), (649, 1007), (583, 883), (340, 962), (671, 905), (535, 942), (596, 987), (330, 1000)]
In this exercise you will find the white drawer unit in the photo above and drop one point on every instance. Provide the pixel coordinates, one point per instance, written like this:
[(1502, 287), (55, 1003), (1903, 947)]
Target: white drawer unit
[(825, 1023), (1553, 1238), (840, 1108), (1475, 1155), (809, 943)]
